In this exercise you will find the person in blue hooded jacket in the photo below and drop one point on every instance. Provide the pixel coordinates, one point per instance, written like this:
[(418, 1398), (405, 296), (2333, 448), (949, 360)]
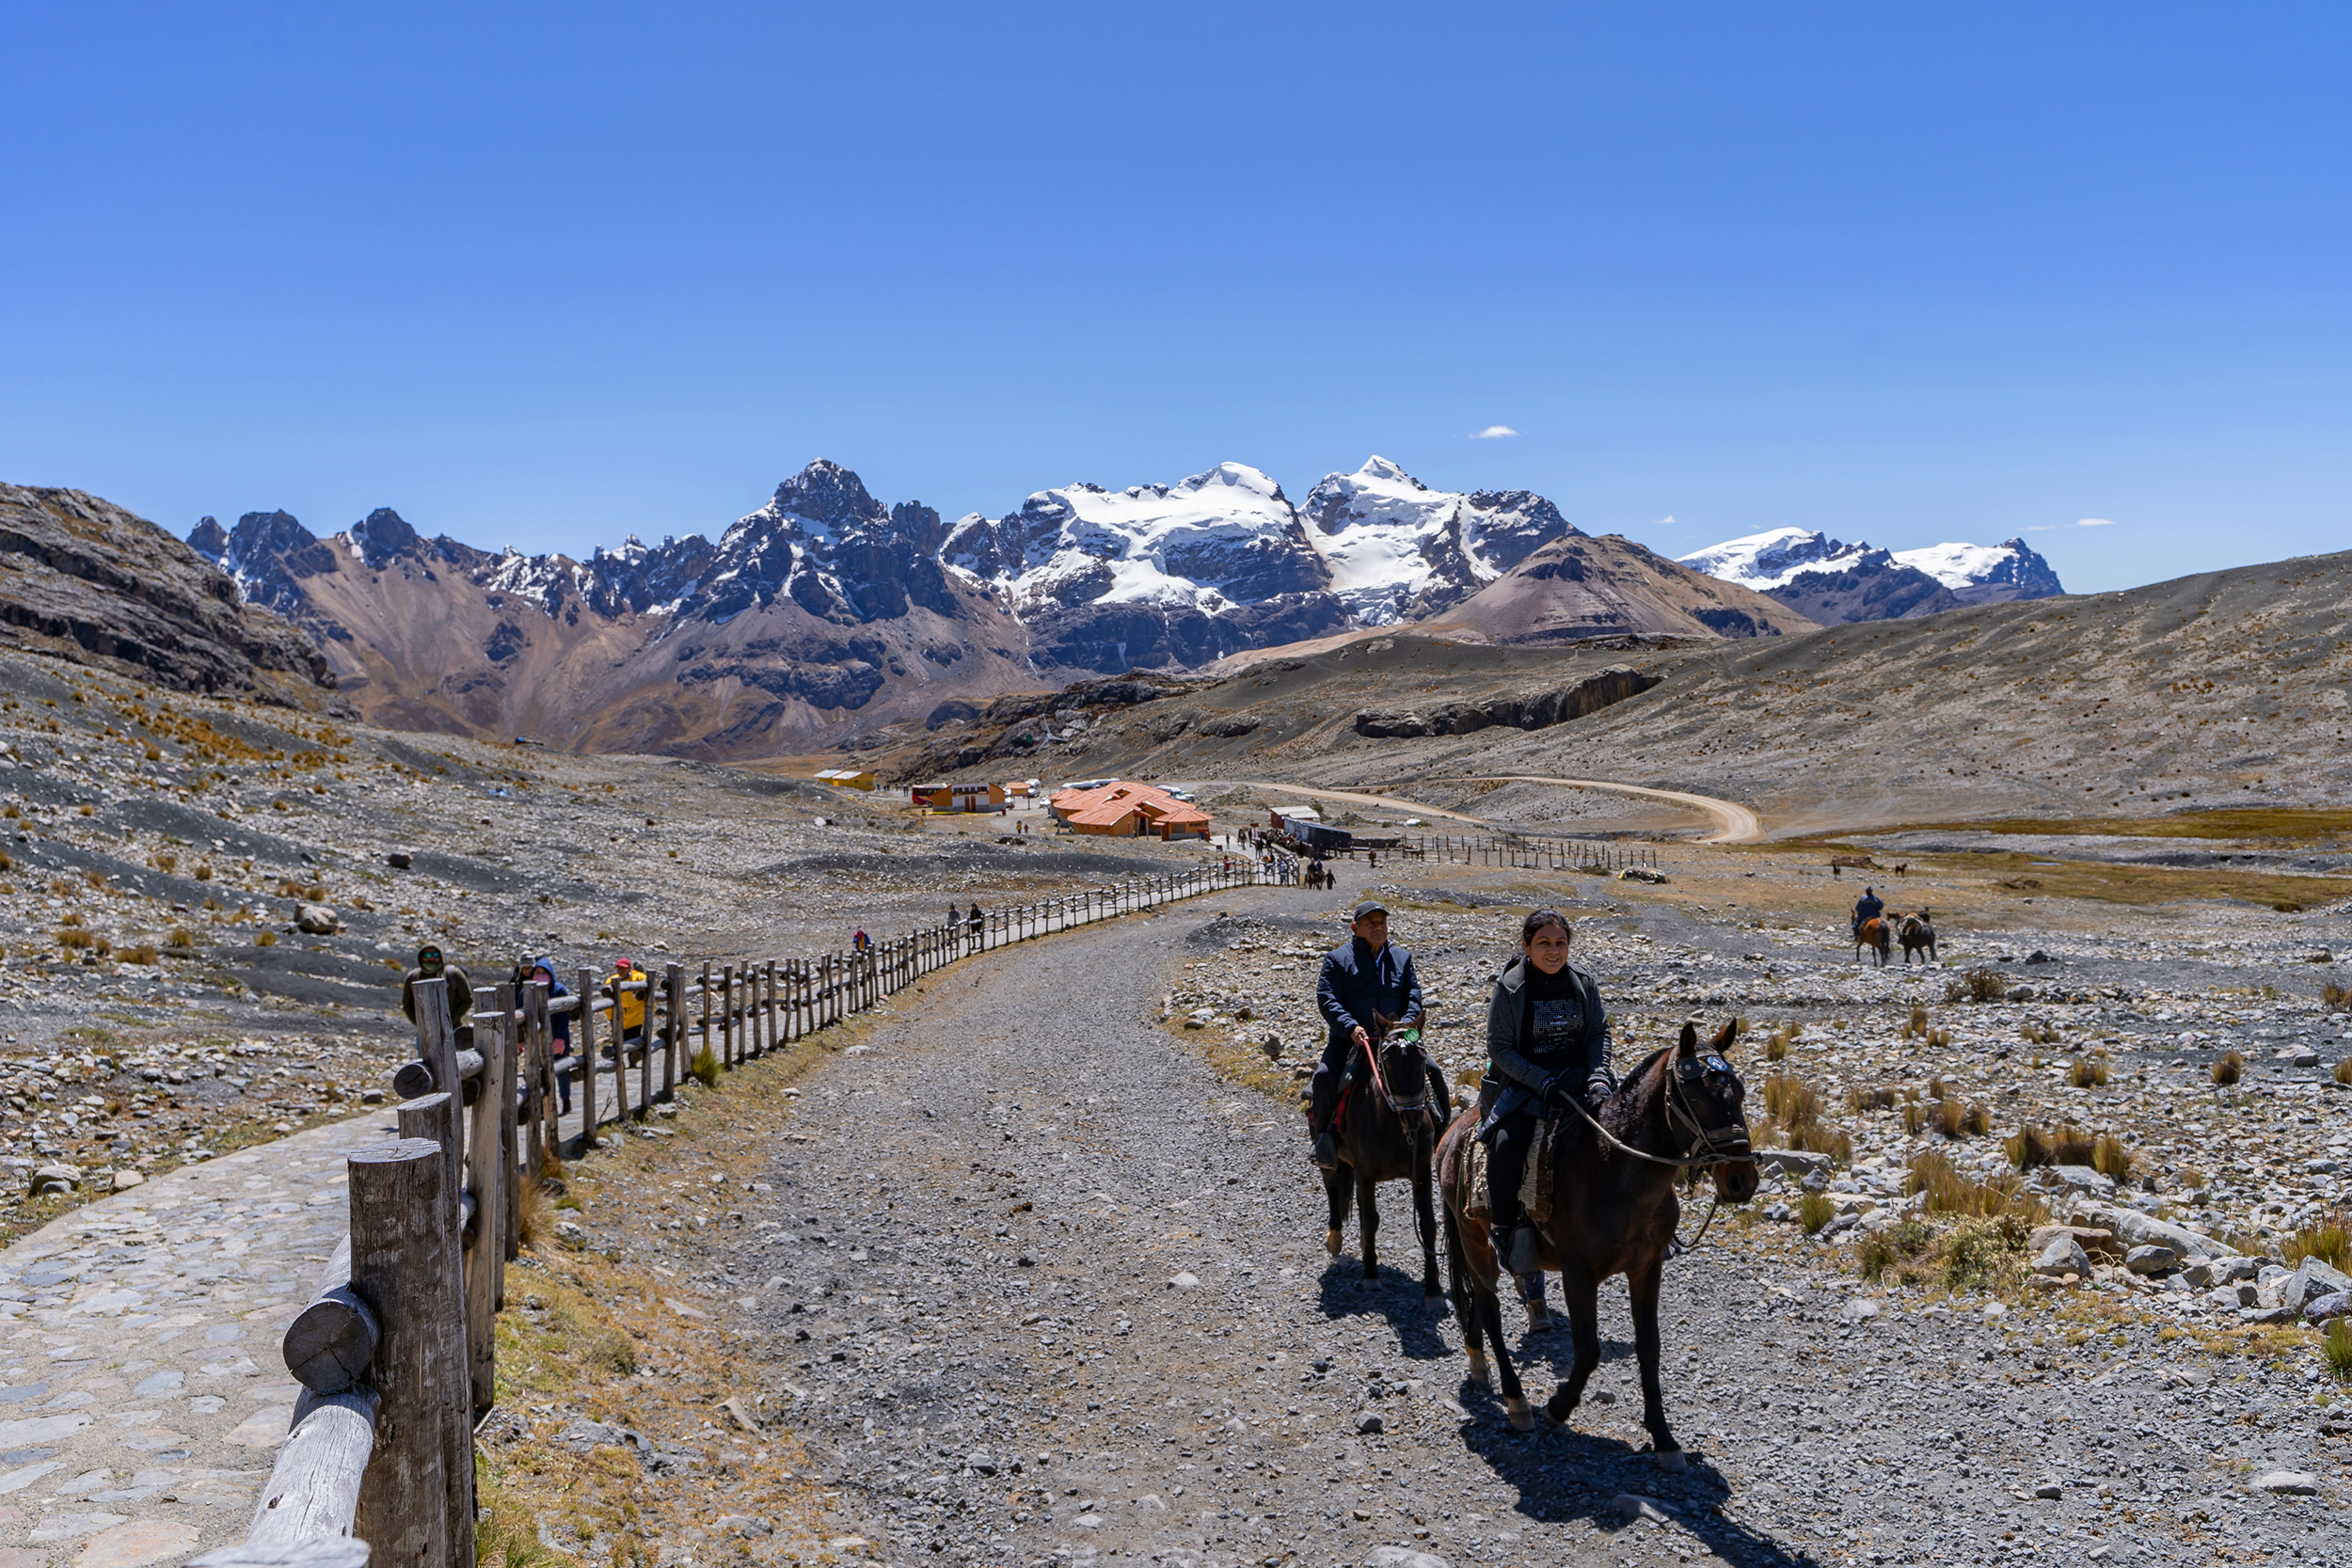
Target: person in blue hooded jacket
[(560, 1028), (1366, 975)]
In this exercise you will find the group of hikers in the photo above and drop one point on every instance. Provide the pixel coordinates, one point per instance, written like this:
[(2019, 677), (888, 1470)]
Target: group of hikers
[(625, 986)]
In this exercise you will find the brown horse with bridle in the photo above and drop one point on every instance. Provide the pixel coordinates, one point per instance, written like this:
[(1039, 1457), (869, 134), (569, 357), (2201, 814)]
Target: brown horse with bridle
[(1388, 1126), (1614, 1211), (1918, 935), (1876, 932)]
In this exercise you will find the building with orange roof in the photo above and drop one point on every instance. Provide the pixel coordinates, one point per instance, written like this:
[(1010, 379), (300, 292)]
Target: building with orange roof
[(1124, 810)]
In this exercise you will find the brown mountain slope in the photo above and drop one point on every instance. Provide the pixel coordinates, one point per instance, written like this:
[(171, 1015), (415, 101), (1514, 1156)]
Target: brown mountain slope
[(83, 579), (2227, 688), (1583, 587)]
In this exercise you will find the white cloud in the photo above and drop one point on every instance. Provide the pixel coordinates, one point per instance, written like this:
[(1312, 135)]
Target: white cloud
[(1493, 431), (2096, 522), (2041, 528)]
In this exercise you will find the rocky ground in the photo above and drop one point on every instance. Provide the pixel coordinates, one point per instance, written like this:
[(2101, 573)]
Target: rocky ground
[(160, 1000), (1035, 1284)]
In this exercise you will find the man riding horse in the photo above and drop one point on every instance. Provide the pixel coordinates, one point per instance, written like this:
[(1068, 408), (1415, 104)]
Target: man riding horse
[(1867, 909), (1364, 975)]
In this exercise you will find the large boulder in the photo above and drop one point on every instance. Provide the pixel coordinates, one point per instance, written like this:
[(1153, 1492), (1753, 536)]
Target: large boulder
[(317, 920), (2134, 1228), (2062, 1256), (2312, 1278)]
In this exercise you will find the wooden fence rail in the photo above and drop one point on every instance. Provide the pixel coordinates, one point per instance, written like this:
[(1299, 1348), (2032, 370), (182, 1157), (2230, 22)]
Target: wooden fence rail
[(396, 1349)]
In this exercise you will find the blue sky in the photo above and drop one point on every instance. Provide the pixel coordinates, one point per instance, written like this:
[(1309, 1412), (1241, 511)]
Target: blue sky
[(545, 276)]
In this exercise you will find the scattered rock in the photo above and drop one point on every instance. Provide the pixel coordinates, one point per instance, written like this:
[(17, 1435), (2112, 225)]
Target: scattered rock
[(2312, 1279), (317, 920), (1627, 1509), (2049, 1492), (1404, 1556), (1182, 1282), (2080, 1179), (55, 1178), (2063, 1255), (2319, 1309), (2149, 1259), (399, 860), (1861, 1309), (1370, 1422), (1796, 1161), (2295, 1482)]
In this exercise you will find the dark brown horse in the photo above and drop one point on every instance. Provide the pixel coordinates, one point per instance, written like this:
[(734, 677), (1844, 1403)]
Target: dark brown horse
[(1387, 1132), (1613, 1212), (1878, 932), (1918, 935)]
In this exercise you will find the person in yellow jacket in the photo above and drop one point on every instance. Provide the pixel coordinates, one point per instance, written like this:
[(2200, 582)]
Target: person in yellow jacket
[(630, 1005)]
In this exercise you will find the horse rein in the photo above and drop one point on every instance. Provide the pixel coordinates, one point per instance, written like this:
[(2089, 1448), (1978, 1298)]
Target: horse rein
[(1722, 1145), (1418, 1103)]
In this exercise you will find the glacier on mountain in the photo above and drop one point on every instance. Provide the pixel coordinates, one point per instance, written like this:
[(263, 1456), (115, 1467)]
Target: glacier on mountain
[(1395, 549), (1771, 562)]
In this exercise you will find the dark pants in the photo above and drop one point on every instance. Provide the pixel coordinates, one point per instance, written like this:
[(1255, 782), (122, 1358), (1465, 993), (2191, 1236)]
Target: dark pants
[(1323, 1090), (561, 1070), (1506, 1167)]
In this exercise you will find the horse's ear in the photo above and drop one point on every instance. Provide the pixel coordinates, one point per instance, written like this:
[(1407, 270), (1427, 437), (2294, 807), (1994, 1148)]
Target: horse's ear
[(1724, 1037), (1690, 1042)]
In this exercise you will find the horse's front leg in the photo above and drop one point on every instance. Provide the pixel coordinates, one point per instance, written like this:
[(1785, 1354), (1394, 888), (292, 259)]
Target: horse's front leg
[(1368, 1224), (1642, 1287), (1426, 1215), (1337, 1187), (1582, 1294)]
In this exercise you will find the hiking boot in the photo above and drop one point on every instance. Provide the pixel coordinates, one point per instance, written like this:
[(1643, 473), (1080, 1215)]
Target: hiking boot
[(1521, 1258), (1326, 1152)]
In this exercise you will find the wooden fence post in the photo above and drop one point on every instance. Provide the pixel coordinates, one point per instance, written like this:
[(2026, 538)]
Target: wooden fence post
[(437, 1035), (503, 1220), (537, 1053), (706, 1009), (674, 1037), (412, 1511), (584, 1058), (486, 1175)]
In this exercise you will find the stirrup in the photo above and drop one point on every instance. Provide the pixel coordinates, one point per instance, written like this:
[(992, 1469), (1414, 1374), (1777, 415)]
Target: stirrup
[(1326, 1153), (1526, 1256)]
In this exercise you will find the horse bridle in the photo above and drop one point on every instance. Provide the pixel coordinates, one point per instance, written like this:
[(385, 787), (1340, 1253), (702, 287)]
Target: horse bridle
[(1722, 1145), (1400, 1107)]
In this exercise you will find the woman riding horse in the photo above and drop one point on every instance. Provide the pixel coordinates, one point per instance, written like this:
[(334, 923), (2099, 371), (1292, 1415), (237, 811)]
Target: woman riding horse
[(1547, 1038)]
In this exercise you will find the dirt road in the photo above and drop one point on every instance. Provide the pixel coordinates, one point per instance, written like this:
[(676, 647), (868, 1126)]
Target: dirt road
[(1040, 1287), (1734, 822)]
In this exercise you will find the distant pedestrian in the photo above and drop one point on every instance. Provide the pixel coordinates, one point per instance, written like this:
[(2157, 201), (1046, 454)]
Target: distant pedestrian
[(976, 929), (858, 943), (432, 966), (629, 988)]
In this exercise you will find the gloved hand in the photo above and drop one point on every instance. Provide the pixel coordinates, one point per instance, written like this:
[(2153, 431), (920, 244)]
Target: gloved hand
[(1556, 1089), (1599, 1088)]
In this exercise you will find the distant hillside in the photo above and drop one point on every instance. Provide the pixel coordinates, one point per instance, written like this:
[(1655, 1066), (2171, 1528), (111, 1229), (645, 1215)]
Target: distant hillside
[(2227, 688), (83, 579)]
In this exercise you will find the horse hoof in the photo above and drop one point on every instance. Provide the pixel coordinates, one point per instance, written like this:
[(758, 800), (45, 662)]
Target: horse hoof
[(1521, 1417), (1481, 1373), (1671, 1459), (1331, 1242)]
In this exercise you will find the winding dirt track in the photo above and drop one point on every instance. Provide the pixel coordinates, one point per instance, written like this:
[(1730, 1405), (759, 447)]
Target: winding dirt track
[(1734, 822)]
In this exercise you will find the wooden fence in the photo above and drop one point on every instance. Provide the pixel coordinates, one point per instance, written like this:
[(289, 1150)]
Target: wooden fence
[(395, 1349)]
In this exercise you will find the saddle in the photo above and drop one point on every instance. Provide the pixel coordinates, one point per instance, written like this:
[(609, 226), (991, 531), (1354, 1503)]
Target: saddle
[(1535, 1185)]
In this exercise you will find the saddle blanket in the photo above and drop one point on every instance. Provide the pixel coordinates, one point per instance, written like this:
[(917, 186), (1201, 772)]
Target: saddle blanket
[(1534, 1186)]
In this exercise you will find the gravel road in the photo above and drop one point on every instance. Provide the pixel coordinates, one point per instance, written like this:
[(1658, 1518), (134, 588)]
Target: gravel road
[(1041, 1288)]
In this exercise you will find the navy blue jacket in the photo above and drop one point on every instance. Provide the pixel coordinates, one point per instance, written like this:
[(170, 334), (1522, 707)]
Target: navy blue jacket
[(1350, 991)]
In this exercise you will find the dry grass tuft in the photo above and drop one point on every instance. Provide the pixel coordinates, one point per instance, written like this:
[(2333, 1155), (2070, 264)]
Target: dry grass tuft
[(2088, 1072), (267, 939), (1897, 1251), (1860, 1100), (2338, 998), (531, 1209), (2336, 1346), (2032, 1145), (1950, 1192), (2343, 1071), (181, 939), (1790, 1101), (1956, 1117), (1915, 1117), (2327, 1238), (2039, 1034), (1977, 984), (2230, 1068), (1983, 1255), (1776, 1044), (1814, 1211), (1915, 1026), (706, 1067), (74, 938), (142, 954), (2110, 1159)]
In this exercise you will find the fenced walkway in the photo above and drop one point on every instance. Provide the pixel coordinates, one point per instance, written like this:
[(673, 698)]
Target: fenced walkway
[(394, 1343), (145, 1396)]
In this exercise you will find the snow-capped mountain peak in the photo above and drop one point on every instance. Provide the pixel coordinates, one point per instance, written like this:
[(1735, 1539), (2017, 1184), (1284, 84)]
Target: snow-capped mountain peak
[(1973, 574), (1769, 560), (1394, 548)]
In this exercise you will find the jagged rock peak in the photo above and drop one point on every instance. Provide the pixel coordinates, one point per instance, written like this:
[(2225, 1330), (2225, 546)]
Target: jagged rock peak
[(382, 534)]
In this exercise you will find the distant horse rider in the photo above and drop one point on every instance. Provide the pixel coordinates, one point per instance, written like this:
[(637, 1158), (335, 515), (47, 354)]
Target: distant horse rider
[(1868, 906), (1364, 975)]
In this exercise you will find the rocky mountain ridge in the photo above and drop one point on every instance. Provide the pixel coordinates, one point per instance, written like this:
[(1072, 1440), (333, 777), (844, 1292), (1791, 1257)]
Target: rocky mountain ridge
[(1832, 582)]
